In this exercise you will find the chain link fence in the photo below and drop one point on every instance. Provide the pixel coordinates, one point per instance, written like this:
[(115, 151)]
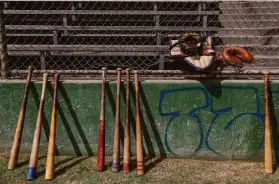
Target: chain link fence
[(85, 36)]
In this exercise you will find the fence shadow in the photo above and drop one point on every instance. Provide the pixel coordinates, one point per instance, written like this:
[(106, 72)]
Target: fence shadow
[(75, 119), (25, 162), (113, 108), (65, 123), (132, 121), (75, 162), (145, 134), (152, 122), (45, 124), (274, 127), (149, 145), (63, 169)]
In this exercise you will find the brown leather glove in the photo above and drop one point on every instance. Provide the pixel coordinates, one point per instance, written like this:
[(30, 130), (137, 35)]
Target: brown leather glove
[(237, 55)]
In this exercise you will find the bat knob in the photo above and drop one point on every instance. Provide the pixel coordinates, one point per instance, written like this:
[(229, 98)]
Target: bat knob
[(266, 72), (30, 67), (128, 69), (126, 168), (119, 69), (31, 173), (104, 68), (115, 167), (45, 76)]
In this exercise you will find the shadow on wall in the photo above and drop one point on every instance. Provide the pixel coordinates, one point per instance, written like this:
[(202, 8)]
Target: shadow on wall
[(146, 135), (149, 152), (214, 101), (274, 125), (45, 124)]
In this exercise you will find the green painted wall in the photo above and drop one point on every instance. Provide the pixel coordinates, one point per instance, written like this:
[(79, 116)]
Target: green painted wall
[(222, 120)]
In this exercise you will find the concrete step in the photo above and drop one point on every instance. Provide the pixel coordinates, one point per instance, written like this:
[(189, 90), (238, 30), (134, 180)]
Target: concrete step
[(265, 31), (261, 50), (249, 10), (259, 40), (252, 4), (264, 61), (250, 23), (258, 17)]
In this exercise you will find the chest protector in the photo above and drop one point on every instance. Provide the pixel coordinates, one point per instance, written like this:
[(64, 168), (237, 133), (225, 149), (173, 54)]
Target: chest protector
[(193, 50)]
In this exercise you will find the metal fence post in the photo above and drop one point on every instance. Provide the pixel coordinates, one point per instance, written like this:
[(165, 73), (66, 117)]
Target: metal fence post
[(3, 49), (158, 37)]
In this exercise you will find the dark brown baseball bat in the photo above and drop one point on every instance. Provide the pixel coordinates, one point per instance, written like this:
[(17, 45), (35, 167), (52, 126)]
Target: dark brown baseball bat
[(126, 156), (31, 171), (268, 166), (116, 146), (51, 143), (101, 137), (18, 133), (139, 145)]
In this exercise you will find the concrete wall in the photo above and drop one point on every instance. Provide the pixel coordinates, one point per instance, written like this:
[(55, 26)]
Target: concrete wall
[(203, 119)]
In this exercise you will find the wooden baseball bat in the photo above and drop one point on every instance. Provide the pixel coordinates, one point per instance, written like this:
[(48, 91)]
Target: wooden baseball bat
[(101, 138), (31, 171), (18, 133), (51, 143), (126, 156), (116, 146), (267, 139), (139, 146)]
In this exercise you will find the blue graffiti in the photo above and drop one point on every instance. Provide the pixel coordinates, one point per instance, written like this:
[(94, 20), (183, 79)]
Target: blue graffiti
[(208, 104), (176, 114)]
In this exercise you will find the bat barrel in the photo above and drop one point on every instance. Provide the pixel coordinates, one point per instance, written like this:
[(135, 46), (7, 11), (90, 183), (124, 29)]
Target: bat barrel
[(31, 171), (116, 146)]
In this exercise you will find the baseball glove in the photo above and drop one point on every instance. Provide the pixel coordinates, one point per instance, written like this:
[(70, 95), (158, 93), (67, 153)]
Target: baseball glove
[(237, 55)]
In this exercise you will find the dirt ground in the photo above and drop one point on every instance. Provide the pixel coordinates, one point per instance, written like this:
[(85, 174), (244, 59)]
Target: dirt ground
[(82, 170)]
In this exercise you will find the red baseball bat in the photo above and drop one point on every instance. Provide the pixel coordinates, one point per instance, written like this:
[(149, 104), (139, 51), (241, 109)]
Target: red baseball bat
[(18, 133), (101, 138)]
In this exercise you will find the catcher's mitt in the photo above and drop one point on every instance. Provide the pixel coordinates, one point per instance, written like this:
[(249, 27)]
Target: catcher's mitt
[(237, 55)]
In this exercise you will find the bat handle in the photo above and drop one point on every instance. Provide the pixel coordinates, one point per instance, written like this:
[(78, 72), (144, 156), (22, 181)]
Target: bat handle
[(30, 70)]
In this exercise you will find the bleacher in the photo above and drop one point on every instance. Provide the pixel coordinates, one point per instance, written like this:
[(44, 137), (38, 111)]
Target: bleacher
[(88, 35)]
